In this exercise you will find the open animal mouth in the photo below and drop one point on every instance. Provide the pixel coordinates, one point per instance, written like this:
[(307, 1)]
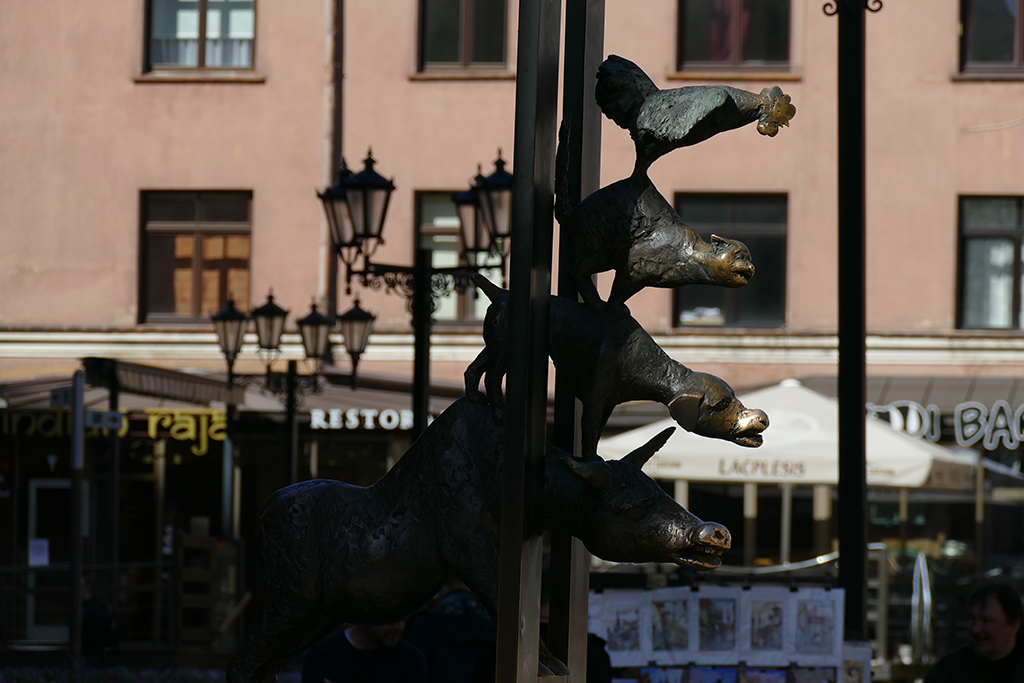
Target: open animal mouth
[(702, 557), (749, 439), (743, 271)]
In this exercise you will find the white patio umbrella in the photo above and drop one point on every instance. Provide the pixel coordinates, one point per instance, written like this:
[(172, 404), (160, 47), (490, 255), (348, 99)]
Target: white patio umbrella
[(801, 446)]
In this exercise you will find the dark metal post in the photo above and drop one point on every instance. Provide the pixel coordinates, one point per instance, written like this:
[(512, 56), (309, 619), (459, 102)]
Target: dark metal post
[(337, 130), (113, 486), (570, 562), (291, 421), (529, 305), (227, 486), (75, 533), (852, 320), (421, 323)]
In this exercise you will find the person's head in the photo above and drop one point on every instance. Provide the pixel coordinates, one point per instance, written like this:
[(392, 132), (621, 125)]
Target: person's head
[(375, 637), (995, 619), (386, 635)]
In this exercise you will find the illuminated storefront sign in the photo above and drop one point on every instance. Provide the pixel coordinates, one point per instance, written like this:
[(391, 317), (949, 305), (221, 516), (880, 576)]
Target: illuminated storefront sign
[(973, 423), (48, 424), (202, 425), (365, 418)]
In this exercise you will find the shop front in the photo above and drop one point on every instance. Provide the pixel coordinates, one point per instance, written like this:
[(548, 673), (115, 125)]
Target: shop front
[(171, 497)]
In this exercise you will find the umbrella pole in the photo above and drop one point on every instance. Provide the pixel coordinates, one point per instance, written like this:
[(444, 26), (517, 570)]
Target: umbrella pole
[(749, 523), (821, 504), (786, 533)]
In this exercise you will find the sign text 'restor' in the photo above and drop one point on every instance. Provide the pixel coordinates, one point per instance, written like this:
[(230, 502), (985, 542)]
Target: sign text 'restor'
[(356, 418)]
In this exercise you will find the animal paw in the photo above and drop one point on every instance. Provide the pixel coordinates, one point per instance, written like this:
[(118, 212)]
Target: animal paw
[(776, 110), (549, 665)]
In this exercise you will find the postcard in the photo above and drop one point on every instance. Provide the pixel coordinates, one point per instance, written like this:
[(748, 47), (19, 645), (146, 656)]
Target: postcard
[(814, 674), (713, 674), (815, 625), (624, 628), (772, 675), (670, 626), (717, 624), (663, 674)]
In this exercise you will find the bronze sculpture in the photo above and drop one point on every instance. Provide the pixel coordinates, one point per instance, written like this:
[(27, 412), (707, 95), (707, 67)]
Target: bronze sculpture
[(331, 552), (660, 121), (628, 226), (607, 358)]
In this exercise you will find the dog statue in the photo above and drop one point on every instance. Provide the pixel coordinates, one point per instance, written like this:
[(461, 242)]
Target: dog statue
[(607, 358), (630, 228)]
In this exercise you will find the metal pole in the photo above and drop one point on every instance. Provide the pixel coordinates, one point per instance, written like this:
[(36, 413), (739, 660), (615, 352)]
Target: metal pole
[(822, 514), (749, 523), (569, 573), (786, 523), (227, 484), (291, 423), (421, 323), (979, 512), (529, 304), (75, 534), (113, 491), (852, 318), (337, 130)]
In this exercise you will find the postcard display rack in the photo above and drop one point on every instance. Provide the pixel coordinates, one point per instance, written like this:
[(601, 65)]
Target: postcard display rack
[(758, 634)]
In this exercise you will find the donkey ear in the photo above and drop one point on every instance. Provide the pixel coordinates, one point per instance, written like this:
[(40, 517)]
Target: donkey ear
[(594, 473), (640, 456), (685, 410)]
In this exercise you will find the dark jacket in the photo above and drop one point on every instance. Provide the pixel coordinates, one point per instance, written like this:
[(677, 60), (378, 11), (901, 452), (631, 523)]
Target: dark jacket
[(963, 666)]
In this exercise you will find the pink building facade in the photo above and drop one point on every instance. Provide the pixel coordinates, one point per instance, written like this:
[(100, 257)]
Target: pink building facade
[(147, 175)]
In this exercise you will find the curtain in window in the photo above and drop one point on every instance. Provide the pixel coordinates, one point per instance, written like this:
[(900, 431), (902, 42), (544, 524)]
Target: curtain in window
[(988, 286)]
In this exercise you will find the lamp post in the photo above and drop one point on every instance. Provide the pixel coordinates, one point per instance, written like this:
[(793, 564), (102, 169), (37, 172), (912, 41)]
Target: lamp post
[(356, 206), (229, 324), (314, 329)]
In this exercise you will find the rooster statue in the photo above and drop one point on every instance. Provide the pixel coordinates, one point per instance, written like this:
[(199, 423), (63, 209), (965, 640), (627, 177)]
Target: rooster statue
[(660, 121)]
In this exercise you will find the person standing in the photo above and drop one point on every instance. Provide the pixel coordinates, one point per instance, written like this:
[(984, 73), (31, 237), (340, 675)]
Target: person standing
[(995, 653), (365, 654)]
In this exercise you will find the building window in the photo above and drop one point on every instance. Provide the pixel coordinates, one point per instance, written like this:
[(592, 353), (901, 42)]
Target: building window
[(462, 33), (757, 220), (991, 232), (195, 254), (201, 34), (438, 232), (733, 33), (991, 35)]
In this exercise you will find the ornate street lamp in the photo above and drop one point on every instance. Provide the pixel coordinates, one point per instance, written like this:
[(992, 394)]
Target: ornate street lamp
[(474, 238), (355, 326), (343, 235), (494, 197), (314, 329), (367, 194), (484, 215), (229, 324), (269, 319)]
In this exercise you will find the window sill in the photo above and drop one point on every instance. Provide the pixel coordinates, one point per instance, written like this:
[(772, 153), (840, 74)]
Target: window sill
[(463, 74), (980, 75), (734, 74), (201, 76)]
